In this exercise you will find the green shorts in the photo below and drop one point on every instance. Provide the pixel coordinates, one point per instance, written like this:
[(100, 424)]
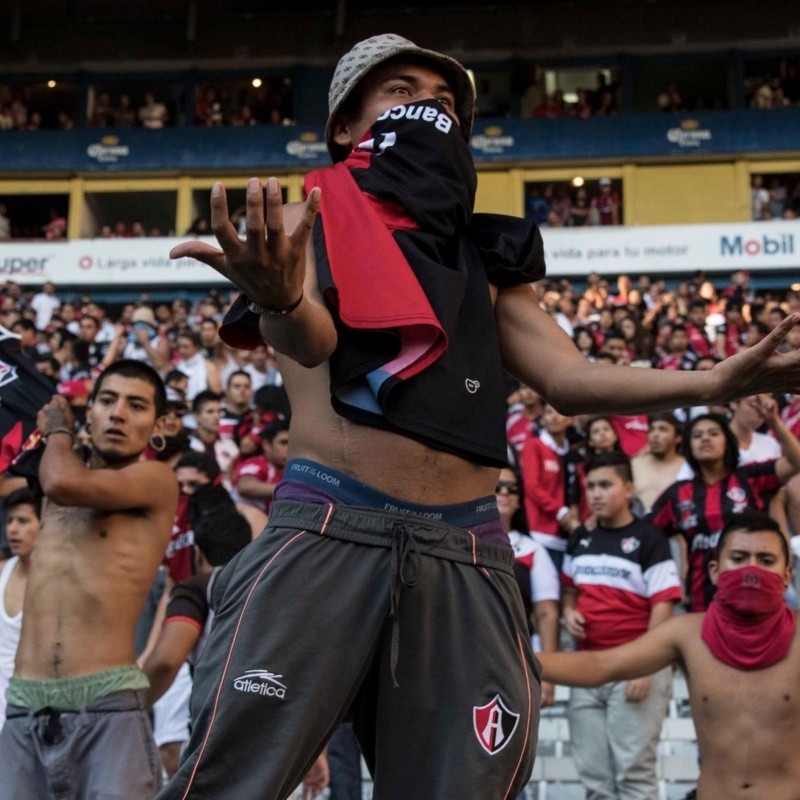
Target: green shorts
[(73, 694)]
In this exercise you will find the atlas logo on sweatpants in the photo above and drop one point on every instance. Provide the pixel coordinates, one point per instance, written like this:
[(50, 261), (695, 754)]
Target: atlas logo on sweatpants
[(494, 725), (260, 682)]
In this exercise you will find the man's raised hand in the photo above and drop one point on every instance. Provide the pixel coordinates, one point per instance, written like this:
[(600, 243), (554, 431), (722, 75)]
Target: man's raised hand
[(761, 368), (268, 267)]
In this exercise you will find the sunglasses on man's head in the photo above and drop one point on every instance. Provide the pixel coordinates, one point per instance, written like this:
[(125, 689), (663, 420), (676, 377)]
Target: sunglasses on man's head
[(512, 487)]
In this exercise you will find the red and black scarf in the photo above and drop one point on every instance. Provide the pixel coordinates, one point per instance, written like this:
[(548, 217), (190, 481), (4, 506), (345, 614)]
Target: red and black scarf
[(405, 268), (748, 624)]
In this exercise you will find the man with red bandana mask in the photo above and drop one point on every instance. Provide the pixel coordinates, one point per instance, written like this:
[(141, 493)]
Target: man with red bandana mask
[(742, 661)]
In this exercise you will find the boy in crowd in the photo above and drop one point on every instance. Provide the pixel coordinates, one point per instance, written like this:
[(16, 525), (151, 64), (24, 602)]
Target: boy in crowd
[(619, 581)]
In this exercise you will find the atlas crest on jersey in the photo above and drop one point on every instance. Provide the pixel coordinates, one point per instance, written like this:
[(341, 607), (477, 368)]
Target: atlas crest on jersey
[(735, 493), (8, 373), (629, 544), (494, 725)]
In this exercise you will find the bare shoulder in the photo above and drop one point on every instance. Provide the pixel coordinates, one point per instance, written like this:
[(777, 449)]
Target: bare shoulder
[(154, 475), (149, 466), (682, 631), (685, 631), (158, 470)]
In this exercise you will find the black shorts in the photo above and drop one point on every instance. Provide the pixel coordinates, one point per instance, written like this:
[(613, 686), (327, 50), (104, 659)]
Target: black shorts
[(412, 628)]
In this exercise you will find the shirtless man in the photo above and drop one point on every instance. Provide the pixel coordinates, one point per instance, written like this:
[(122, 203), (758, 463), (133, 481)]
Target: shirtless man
[(660, 465), (104, 530), (742, 661), (382, 584)]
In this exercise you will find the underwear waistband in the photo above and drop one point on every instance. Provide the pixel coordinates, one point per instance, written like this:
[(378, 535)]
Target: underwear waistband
[(75, 694), (378, 528), (340, 488)]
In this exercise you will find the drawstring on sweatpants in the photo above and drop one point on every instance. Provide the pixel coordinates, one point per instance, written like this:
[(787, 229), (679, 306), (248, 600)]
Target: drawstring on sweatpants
[(52, 731), (405, 550)]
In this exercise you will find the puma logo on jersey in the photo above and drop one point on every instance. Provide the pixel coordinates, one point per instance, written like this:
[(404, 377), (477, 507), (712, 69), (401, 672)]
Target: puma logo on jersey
[(472, 386)]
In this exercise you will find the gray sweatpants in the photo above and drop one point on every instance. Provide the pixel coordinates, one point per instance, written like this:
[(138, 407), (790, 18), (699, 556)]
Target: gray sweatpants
[(324, 613), (102, 752), (614, 741)]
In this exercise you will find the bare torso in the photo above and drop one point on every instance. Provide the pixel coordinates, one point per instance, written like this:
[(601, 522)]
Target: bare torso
[(394, 464), (747, 722), (651, 476), (90, 573)]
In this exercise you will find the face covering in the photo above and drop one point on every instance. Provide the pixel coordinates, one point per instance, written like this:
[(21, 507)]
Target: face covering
[(748, 625), (415, 156)]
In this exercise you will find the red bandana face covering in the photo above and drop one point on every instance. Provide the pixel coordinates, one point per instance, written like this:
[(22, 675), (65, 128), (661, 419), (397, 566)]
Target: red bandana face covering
[(748, 625)]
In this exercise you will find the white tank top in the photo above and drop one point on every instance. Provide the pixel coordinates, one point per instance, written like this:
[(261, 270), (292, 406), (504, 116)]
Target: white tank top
[(195, 368), (10, 627)]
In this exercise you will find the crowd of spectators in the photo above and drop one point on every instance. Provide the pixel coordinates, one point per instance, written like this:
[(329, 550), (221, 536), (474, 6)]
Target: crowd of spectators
[(602, 100), (227, 431), (245, 106), (673, 100), (551, 204), (17, 115), (774, 197), (72, 342), (640, 322), (560, 205), (268, 101), (53, 229), (150, 113), (123, 229), (779, 88)]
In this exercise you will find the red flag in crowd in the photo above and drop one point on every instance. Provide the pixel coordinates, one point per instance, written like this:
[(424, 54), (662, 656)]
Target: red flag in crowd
[(23, 391)]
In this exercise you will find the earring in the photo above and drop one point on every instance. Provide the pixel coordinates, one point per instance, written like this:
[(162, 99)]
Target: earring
[(158, 442)]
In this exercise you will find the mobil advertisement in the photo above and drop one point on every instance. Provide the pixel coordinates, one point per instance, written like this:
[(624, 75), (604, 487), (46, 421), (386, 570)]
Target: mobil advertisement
[(673, 248), (663, 249)]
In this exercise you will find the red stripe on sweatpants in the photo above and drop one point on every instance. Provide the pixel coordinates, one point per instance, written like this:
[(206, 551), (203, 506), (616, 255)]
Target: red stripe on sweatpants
[(327, 519), (228, 661), (528, 719)]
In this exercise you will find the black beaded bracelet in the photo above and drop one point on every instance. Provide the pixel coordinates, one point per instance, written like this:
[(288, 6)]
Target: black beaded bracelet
[(277, 312), (59, 430)]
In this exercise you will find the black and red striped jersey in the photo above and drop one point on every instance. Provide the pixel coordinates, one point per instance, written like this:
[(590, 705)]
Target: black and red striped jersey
[(699, 511), (619, 574), (235, 426)]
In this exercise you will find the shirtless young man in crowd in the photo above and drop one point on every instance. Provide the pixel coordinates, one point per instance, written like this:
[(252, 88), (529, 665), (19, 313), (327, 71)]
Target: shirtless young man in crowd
[(76, 721), (384, 537), (661, 463), (742, 662)]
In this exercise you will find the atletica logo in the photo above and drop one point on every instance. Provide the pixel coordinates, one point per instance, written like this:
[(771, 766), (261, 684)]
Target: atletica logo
[(260, 681)]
